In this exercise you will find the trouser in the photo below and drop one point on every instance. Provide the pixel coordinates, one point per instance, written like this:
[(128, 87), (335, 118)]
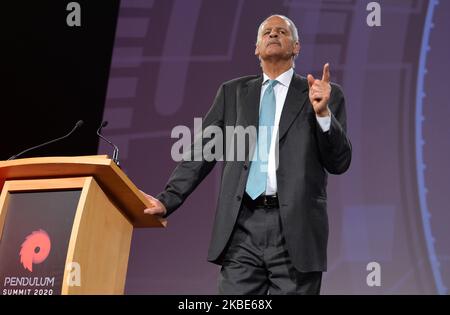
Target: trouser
[(256, 260)]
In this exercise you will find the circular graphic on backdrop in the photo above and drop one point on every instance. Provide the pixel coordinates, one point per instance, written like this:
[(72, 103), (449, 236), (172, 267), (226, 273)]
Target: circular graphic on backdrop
[(432, 141)]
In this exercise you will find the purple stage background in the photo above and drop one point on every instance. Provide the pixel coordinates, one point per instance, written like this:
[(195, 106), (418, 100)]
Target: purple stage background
[(391, 207)]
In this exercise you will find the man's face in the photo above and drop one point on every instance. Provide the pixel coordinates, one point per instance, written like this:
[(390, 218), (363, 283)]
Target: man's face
[(276, 41)]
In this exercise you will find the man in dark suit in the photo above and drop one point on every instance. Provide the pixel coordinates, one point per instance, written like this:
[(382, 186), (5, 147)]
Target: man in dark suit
[(271, 227)]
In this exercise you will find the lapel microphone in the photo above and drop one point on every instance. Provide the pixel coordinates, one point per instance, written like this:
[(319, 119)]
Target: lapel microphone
[(77, 125)]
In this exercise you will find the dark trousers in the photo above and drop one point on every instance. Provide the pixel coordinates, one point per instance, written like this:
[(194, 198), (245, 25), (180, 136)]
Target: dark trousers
[(256, 261)]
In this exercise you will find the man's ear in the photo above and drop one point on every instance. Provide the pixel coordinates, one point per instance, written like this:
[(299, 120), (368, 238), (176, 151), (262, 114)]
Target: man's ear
[(297, 48), (257, 50)]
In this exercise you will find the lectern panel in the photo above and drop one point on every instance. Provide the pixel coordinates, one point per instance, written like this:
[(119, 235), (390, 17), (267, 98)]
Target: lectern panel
[(34, 242)]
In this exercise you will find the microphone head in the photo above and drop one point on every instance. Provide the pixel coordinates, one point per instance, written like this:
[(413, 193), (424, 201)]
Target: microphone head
[(79, 123)]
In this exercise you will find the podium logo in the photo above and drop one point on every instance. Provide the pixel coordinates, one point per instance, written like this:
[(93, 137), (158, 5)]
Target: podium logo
[(35, 249)]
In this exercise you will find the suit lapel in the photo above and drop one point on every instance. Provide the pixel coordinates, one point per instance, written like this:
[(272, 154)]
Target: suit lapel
[(250, 102), (248, 109), (295, 101)]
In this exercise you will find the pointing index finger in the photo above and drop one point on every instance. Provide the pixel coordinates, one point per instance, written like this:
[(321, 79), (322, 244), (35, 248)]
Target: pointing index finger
[(326, 73)]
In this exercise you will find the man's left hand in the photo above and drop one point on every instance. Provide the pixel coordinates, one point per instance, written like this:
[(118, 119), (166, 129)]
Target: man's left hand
[(319, 92)]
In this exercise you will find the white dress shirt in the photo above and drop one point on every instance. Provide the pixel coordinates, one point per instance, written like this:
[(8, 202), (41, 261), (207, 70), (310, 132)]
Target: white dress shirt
[(281, 90)]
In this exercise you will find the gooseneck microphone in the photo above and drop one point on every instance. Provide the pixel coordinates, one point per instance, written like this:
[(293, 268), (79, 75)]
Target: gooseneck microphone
[(77, 125), (115, 156)]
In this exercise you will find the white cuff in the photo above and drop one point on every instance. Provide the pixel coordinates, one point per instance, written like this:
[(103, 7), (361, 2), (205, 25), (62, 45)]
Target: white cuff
[(324, 122)]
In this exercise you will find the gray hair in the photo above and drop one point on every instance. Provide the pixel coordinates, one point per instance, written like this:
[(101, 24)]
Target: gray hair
[(292, 27)]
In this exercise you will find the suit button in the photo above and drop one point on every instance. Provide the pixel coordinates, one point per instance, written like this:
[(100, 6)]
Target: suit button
[(245, 166), (238, 198)]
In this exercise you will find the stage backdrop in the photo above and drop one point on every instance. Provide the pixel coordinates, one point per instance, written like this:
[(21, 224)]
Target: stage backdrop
[(391, 207)]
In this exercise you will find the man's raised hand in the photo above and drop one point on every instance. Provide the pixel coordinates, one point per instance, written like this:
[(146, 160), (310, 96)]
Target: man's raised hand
[(320, 91)]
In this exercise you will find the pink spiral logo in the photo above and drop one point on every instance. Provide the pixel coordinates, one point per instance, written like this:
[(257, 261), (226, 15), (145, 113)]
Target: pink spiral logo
[(35, 249)]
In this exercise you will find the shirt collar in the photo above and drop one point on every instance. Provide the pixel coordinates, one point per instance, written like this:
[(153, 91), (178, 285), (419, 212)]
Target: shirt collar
[(284, 78)]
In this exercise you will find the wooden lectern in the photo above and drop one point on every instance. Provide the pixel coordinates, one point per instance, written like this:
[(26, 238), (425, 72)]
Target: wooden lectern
[(98, 204)]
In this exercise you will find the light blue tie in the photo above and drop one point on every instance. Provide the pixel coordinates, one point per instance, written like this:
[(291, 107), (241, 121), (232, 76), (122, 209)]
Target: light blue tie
[(257, 178)]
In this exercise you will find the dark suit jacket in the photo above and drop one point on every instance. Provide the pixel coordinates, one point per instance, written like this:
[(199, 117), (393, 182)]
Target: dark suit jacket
[(306, 154)]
